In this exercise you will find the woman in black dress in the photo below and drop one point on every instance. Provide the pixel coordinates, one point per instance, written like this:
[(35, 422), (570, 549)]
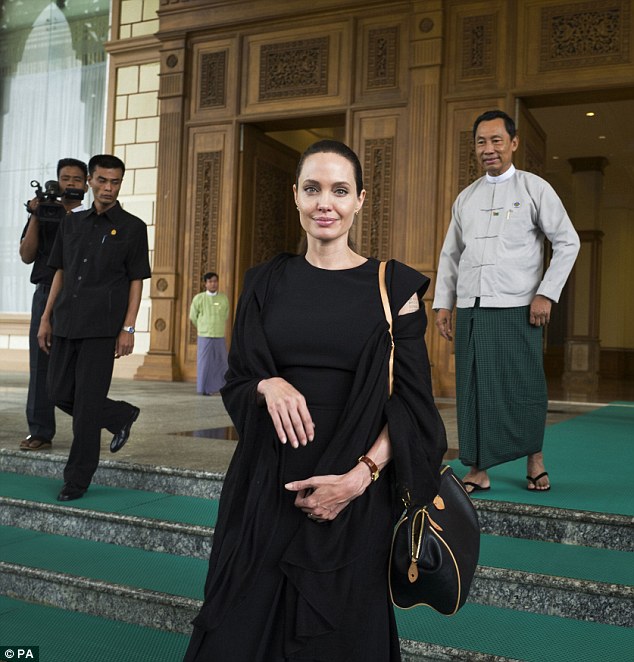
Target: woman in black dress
[(298, 569)]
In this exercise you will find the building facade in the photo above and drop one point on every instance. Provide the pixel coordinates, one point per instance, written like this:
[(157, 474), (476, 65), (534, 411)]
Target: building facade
[(211, 102)]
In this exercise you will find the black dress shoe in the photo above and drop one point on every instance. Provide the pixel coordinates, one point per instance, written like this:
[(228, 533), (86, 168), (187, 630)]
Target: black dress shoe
[(70, 492), (119, 439)]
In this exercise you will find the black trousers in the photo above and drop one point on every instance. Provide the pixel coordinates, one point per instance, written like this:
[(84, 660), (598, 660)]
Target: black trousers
[(40, 410), (79, 376)]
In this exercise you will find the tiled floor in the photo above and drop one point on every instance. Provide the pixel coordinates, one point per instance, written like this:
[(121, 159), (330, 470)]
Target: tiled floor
[(178, 428)]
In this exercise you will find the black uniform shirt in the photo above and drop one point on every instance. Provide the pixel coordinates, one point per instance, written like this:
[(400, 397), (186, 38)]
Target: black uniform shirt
[(41, 272), (100, 254)]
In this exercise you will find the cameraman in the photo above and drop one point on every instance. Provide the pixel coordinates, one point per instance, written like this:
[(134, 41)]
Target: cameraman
[(35, 247)]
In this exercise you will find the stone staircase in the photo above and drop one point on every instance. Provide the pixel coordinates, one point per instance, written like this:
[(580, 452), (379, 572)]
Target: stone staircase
[(517, 572)]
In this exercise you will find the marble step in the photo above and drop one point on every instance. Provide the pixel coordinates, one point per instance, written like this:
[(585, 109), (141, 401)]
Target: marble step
[(115, 473), (562, 525), (165, 612), (146, 533), (563, 580), (478, 633), (610, 531)]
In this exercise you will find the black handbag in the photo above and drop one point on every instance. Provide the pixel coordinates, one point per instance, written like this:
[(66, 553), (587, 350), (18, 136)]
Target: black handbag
[(435, 547), (435, 550)]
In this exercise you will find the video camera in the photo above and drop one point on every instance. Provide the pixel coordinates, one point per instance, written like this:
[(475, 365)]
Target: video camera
[(50, 206)]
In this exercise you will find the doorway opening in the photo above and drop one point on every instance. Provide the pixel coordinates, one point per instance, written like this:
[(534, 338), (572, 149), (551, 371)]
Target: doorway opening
[(269, 153), (589, 138)]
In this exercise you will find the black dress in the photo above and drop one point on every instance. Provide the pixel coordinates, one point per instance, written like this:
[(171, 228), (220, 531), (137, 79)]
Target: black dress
[(282, 587)]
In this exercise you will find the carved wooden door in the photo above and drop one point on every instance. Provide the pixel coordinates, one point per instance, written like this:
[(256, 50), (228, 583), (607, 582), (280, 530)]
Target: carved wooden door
[(531, 152), (268, 223)]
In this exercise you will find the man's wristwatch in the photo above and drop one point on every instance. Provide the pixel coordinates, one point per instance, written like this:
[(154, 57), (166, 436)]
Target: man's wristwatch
[(129, 329)]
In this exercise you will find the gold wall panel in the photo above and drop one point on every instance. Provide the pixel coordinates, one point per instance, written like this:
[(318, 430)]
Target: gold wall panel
[(294, 69), (304, 66), (587, 40), (587, 34), (469, 167), (478, 54), (214, 80), (382, 58), (204, 243), (208, 226), (378, 173), (379, 140)]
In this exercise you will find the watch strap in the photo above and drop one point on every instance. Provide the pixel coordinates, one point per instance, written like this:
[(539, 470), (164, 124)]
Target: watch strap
[(374, 470)]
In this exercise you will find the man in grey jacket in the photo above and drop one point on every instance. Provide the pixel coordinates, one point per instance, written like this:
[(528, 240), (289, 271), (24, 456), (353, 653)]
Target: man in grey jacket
[(491, 269)]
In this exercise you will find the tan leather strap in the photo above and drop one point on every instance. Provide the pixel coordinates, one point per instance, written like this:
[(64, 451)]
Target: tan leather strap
[(374, 470), (388, 316)]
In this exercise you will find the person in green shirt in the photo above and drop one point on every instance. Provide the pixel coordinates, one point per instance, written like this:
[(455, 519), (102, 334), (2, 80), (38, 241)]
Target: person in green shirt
[(209, 312)]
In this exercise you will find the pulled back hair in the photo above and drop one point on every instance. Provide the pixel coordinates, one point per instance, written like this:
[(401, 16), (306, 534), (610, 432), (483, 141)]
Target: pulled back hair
[(105, 161), (333, 147), (72, 163), (509, 124)]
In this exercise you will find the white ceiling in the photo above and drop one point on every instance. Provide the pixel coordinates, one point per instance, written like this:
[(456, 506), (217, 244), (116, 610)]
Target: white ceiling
[(609, 133)]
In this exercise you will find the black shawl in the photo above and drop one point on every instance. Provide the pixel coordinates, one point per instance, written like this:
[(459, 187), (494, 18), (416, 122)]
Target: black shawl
[(317, 562)]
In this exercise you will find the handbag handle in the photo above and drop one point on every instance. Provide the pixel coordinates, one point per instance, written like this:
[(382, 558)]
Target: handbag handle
[(388, 316)]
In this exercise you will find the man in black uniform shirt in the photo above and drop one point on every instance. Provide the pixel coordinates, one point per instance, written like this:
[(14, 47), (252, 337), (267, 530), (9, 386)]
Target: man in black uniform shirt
[(101, 257), (35, 247)]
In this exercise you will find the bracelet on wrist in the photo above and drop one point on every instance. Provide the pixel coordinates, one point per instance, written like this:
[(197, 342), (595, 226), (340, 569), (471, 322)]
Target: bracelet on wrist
[(374, 470)]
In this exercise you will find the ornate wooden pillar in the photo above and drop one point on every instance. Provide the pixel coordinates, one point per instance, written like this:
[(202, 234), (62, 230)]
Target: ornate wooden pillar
[(418, 240), (417, 244), (160, 362), (582, 349)]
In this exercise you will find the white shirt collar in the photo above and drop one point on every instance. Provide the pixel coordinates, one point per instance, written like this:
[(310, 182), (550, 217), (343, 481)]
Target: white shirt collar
[(211, 294), (501, 178)]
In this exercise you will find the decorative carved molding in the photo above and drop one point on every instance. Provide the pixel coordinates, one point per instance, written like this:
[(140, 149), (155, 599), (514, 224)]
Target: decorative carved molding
[(269, 239), (205, 230), (478, 39), (426, 25), (469, 167), (213, 77), (378, 171), (382, 67), (583, 35), (294, 69)]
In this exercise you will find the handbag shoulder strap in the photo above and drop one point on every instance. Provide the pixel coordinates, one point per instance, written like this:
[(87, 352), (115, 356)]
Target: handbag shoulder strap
[(388, 316)]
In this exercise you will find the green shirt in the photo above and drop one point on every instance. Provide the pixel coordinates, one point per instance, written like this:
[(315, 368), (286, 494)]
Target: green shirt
[(209, 314)]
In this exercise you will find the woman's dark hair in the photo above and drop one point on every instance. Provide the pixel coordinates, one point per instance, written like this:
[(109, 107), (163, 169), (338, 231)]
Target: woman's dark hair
[(333, 147), (495, 115)]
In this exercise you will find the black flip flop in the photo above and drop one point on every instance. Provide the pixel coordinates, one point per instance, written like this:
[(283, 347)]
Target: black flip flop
[(534, 482), (475, 486)]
